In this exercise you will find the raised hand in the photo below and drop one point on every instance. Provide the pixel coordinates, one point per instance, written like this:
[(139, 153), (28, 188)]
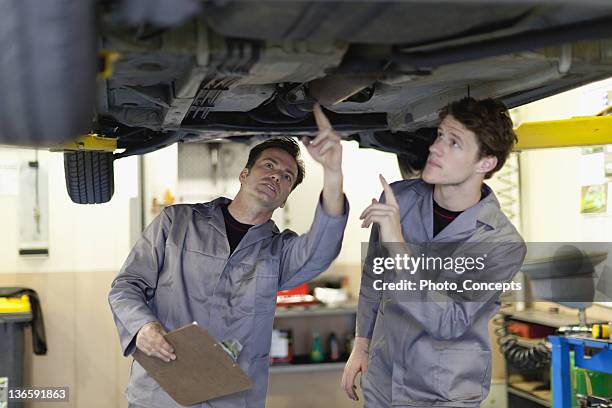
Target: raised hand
[(325, 148), (386, 215)]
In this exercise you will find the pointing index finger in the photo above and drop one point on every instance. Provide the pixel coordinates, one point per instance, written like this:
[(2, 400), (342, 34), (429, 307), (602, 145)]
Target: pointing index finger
[(389, 195), (322, 121)]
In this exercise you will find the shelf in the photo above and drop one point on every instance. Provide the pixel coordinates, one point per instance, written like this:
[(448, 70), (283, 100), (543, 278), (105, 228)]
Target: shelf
[(547, 319), (307, 368), (315, 310), (521, 341), (529, 396)]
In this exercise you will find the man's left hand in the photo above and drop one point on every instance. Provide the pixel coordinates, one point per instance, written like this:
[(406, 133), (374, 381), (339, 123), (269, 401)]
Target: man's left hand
[(325, 148), (386, 215)]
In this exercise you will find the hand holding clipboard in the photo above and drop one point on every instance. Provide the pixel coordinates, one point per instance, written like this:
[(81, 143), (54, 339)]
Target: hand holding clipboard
[(202, 369)]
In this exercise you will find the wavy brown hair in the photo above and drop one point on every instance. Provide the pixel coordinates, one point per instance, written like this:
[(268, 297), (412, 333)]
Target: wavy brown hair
[(490, 121)]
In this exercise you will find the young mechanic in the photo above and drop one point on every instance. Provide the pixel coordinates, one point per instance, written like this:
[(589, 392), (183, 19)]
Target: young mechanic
[(221, 264), (437, 354)]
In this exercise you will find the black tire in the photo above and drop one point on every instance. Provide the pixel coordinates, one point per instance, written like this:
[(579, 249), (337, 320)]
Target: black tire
[(89, 176), (47, 70)]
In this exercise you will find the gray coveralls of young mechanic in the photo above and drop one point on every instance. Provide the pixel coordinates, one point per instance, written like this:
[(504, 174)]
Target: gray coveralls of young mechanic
[(428, 354), (181, 271)]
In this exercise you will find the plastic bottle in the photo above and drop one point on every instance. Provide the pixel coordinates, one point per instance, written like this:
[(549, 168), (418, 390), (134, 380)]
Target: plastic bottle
[(334, 349), (316, 352)]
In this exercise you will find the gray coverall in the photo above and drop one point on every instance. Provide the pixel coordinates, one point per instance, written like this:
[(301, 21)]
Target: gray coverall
[(434, 354), (181, 271)]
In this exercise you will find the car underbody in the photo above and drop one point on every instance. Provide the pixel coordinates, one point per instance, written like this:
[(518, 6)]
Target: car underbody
[(382, 70)]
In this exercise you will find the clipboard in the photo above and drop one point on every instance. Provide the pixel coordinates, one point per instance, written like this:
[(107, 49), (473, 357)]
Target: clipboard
[(202, 369)]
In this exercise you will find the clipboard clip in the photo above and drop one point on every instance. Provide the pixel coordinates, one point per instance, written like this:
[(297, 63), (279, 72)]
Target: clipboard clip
[(232, 347)]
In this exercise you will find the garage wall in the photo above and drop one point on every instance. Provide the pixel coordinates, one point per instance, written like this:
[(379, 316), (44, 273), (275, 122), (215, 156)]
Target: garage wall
[(82, 238), (550, 178), (87, 245), (160, 174)]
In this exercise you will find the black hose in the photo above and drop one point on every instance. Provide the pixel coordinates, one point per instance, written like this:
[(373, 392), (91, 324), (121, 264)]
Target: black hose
[(518, 355)]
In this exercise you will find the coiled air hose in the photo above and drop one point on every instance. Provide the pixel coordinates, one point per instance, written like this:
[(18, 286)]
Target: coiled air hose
[(525, 357)]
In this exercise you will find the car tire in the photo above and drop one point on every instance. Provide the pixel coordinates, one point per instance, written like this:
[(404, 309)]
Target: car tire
[(89, 176), (47, 70)]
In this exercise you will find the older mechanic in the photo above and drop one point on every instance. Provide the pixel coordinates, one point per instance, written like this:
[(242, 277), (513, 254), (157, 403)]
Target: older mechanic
[(412, 351), (221, 264)]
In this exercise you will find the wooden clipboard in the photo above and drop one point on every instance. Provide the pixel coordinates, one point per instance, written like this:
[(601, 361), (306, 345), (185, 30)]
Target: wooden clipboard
[(202, 369)]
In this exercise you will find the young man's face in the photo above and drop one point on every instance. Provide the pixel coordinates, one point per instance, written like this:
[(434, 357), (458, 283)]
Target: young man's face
[(271, 178), (454, 156)]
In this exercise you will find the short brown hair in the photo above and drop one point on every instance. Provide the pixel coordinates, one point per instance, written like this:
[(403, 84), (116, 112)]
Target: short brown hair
[(285, 143), (490, 121)]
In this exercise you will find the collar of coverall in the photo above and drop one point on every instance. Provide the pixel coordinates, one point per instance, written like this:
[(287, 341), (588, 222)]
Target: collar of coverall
[(213, 211), (486, 211)]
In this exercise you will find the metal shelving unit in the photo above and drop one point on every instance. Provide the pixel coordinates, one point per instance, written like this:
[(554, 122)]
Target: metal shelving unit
[(307, 368), (315, 310), (304, 320)]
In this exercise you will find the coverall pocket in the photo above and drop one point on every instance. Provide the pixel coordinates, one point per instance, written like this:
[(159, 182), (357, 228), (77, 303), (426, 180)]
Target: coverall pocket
[(463, 373), (200, 273), (242, 288), (265, 297)]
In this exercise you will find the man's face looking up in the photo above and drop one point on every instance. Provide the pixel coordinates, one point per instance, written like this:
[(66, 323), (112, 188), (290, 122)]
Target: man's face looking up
[(454, 156), (271, 178)]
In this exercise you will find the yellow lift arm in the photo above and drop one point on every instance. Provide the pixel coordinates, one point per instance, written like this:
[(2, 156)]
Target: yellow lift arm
[(579, 131), (91, 141)]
